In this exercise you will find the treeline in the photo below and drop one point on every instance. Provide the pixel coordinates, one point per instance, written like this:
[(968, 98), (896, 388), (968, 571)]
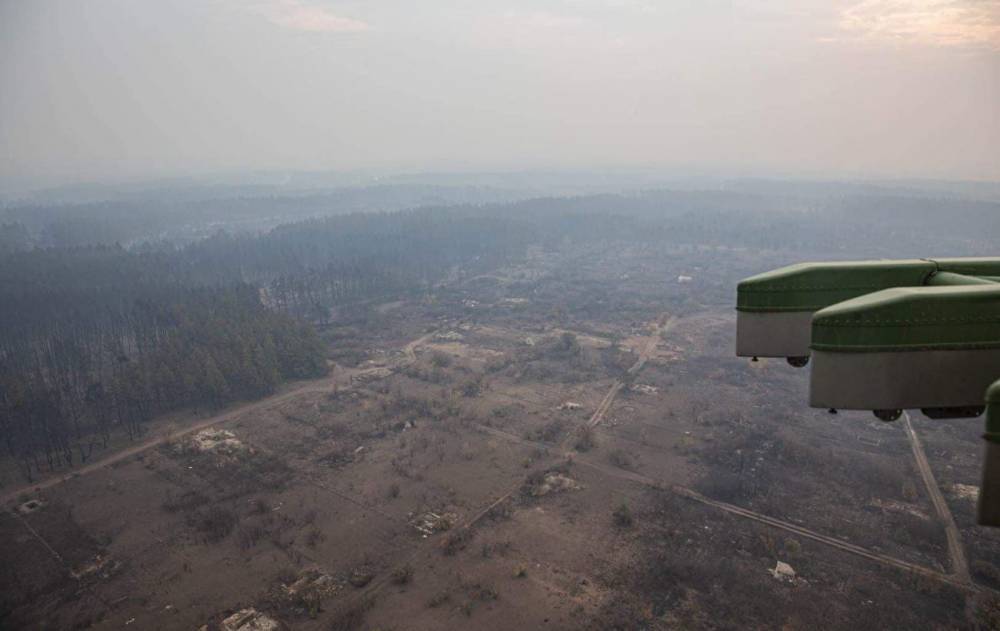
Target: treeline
[(187, 214), (100, 339), (94, 338), (64, 390)]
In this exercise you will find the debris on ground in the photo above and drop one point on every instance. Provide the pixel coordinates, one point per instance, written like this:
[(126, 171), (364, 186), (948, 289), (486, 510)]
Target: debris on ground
[(30, 506), (783, 572), (965, 491), (450, 336), (569, 405), (894, 506), (220, 441), (312, 581), (372, 374), (553, 483), (250, 619), (360, 577), (101, 566), (643, 388), (429, 523)]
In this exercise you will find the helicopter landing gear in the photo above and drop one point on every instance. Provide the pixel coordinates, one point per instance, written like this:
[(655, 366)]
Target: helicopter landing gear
[(797, 362), (887, 415)]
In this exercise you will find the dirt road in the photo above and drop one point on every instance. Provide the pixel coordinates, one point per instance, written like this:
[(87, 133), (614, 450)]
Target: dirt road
[(645, 351), (956, 552), (638, 478), (338, 375), (410, 350), (319, 385)]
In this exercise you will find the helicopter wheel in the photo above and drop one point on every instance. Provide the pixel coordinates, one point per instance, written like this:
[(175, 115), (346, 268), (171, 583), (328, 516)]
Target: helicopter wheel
[(797, 362), (887, 415)]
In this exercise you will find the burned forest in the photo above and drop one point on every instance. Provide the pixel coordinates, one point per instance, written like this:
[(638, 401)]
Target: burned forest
[(503, 413)]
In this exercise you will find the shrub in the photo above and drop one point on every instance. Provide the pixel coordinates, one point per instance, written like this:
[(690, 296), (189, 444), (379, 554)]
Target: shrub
[(986, 572), (402, 575), (440, 360), (585, 439), (314, 537), (456, 540), (622, 516), (352, 617), (438, 599), (215, 523), (620, 458)]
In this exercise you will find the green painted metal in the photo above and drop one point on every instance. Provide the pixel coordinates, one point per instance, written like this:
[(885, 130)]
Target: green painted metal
[(988, 509), (970, 266), (993, 413), (951, 278), (993, 394), (965, 317), (812, 286)]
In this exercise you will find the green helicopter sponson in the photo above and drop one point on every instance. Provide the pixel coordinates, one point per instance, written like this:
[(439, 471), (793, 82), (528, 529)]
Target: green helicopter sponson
[(907, 347), (774, 309), (989, 492)]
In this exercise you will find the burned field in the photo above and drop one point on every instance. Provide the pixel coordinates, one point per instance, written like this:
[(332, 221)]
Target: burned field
[(564, 444)]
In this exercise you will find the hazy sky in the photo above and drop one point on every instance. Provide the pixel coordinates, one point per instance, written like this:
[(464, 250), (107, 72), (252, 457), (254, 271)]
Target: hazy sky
[(107, 89)]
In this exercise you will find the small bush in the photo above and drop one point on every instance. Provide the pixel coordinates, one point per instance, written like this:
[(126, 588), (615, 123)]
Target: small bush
[(314, 537), (622, 516), (438, 599), (456, 541), (620, 458), (215, 523), (986, 572), (472, 387), (402, 575), (440, 360), (585, 439), (186, 501), (352, 617)]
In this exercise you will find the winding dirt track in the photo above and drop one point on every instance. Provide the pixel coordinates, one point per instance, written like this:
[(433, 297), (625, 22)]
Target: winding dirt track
[(956, 553)]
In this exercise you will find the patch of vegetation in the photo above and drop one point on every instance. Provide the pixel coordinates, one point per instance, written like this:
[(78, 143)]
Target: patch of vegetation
[(352, 617), (186, 501), (621, 459), (456, 540), (402, 575), (548, 433), (586, 439), (215, 523), (440, 360), (439, 599), (986, 572), (622, 517)]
